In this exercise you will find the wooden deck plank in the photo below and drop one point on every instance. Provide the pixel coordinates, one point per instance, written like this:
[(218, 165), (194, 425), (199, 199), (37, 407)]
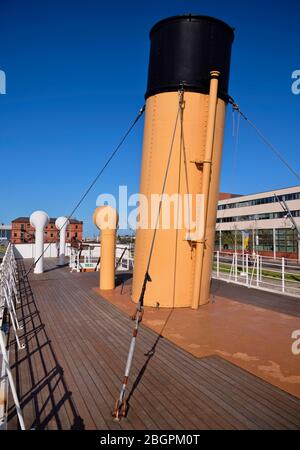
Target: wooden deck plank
[(40, 381), (155, 388), (86, 326), (91, 336), (71, 371), (266, 399)]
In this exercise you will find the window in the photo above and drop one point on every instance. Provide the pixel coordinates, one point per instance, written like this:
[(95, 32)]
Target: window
[(263, 216), (15, 234), (286, 240), (261, 201), (22, 226)]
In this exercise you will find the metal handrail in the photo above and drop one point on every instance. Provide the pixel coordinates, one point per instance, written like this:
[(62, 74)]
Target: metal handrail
[(257, 272), (9, 297)]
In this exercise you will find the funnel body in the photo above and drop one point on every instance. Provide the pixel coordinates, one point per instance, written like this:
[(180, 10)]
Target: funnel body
[(184, 52)]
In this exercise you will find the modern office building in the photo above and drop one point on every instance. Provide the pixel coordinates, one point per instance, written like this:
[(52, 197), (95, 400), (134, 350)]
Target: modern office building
[(260, 221), (5, 232), (23, 232)]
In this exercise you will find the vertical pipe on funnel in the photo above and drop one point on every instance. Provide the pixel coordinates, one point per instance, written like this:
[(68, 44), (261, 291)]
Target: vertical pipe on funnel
[(211, 120)]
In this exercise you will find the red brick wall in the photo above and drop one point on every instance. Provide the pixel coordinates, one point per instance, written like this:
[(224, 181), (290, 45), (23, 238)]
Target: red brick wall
[(23, 232), (226, 195)]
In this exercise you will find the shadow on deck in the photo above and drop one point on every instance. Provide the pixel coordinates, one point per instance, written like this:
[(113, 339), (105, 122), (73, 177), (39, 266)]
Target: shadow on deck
[(69, 374), (43, 393), (268, 300)]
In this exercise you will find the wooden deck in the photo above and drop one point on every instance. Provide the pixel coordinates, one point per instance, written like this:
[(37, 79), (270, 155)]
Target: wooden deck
[(69, 375)]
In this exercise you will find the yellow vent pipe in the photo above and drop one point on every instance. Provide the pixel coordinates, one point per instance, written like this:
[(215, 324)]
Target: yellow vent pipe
[(106, 219)]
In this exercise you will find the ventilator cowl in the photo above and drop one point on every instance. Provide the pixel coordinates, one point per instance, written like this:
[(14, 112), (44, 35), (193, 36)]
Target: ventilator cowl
[(61, 224), (39, 220)]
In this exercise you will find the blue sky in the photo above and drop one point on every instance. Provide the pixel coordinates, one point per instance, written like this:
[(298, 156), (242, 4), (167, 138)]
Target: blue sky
[(76, 76)]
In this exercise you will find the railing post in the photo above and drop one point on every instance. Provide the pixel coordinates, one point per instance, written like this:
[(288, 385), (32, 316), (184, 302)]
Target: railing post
[(247, 265), (261, 267), (218, 264), (8, 290), (282, 275), (10, 303), (12, 314), (11, 381), (235, 266), (257, 270)]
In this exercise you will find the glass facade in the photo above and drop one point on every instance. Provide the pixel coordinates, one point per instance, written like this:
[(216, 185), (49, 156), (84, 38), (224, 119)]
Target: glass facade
[(5, 234), (263, 216), (261, 201), (286, 240), (259, 240)]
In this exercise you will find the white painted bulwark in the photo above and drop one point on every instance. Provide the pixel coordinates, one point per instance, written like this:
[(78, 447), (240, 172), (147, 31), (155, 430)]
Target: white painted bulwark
[(27, 250), (38, 220)]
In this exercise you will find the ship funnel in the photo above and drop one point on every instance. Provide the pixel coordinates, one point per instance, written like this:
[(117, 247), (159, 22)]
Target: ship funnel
[(106, 219), (39, 220), (186, 100), (61, 224)]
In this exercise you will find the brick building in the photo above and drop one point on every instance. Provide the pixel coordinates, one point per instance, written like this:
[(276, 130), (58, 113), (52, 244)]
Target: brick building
[(227, 195), (23, 232)]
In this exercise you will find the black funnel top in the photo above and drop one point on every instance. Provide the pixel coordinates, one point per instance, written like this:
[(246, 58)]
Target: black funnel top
[(184, 49)]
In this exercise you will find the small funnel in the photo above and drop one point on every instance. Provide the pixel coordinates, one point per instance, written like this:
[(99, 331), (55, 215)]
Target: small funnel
[(39, 220), (61, 224)]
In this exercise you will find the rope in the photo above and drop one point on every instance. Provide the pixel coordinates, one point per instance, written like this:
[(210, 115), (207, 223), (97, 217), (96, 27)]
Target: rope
[(139, 115), (121, 405), (264, 139)]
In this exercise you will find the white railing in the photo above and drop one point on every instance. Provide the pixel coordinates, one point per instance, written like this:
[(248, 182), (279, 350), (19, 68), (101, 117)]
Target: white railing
[(9, 297), (260, 272), (87, 260)]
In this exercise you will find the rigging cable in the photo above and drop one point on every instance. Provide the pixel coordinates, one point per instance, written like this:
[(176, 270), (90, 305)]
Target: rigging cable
[(264, 139), (235, 145), (114, 152), (236, 134), (121, 404)]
